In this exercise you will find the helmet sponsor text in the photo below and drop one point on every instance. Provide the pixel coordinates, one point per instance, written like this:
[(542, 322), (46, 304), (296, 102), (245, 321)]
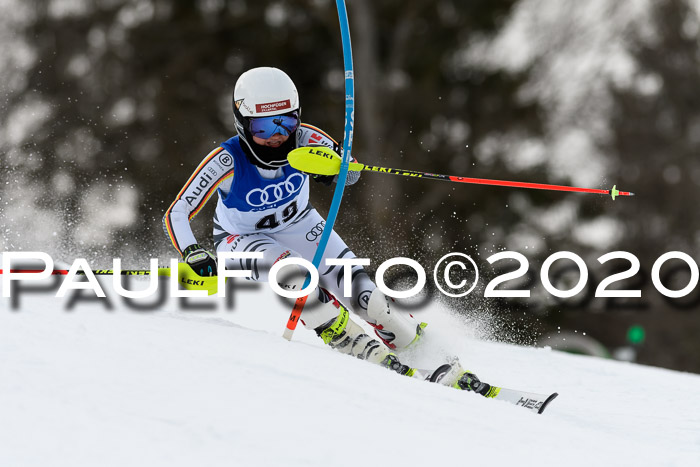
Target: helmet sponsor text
[(273, 106)]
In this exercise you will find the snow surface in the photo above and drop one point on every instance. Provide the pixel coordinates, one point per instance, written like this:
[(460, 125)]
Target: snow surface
[(173, 387)]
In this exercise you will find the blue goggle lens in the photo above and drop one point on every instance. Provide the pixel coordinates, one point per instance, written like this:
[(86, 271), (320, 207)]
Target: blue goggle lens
[(264, 127)]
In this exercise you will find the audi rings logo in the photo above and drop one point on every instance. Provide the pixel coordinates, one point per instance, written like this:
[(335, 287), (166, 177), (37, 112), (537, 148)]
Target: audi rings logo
[(315, 232), (275, 193)]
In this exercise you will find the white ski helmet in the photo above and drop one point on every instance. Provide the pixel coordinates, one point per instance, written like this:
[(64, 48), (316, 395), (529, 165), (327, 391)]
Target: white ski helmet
[(265, 92)]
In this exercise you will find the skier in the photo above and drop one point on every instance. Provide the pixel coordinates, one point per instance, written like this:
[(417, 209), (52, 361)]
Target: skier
[(263, 206)]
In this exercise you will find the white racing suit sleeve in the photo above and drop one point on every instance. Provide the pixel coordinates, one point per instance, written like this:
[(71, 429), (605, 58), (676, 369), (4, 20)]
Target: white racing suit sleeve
[(215, 171)]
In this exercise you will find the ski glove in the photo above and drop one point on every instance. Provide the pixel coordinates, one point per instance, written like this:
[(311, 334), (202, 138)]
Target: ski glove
[(200, 260), (325, 179), (353, 177), (328, 180)]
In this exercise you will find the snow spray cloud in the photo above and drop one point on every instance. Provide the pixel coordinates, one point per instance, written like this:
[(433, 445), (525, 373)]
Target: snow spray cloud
[(454, 275)]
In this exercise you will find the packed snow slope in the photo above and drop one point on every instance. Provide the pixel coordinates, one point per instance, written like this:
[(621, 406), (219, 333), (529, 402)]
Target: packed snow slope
[(93, 386)]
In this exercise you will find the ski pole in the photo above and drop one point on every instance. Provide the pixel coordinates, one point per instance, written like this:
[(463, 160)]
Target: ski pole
[(187, 277), (323, 161), (98, 272)]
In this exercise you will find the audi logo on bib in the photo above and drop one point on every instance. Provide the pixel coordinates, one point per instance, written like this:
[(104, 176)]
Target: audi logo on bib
[(275, 193)]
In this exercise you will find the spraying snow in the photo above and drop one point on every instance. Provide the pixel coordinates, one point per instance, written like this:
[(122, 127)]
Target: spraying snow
[(115, 387)]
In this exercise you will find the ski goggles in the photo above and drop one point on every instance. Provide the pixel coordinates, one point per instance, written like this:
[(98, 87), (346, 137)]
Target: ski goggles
[(264, 127)]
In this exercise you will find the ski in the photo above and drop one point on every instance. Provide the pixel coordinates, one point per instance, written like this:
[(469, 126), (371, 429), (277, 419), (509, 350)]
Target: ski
[(529, 400)]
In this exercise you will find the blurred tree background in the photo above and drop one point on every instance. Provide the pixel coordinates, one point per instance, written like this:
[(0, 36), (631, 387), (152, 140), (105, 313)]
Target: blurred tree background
[(108, 106)]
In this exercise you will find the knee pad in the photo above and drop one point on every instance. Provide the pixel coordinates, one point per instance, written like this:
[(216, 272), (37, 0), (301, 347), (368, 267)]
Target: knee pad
[(397, 330)]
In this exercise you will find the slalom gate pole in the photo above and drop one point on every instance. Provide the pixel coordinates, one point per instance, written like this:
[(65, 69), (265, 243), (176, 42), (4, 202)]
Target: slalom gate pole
[(343, 174)]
